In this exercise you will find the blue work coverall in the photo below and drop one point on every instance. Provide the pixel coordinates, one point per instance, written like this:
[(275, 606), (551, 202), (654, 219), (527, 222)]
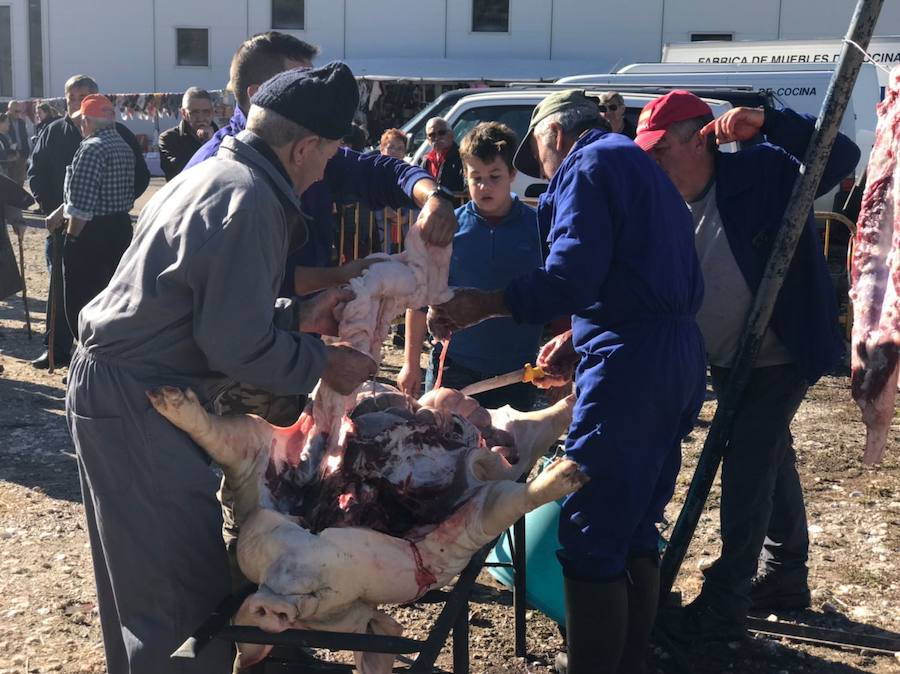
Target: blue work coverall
[(622, 263)]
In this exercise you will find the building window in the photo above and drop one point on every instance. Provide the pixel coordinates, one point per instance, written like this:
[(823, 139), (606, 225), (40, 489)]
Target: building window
[(712, 37), (35, 49), (5, 51), (193, 46), (288, 14), (490, 16)]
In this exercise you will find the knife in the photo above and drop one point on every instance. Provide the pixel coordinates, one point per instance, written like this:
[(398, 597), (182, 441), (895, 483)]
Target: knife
[(525, 374)]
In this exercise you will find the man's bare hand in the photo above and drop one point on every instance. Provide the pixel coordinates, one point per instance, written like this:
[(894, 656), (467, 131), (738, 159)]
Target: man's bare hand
[(318, 313), (409, 380), (346, 368), (468, 306), (738, 124), (557, 359), (55, 221), (437, 222)]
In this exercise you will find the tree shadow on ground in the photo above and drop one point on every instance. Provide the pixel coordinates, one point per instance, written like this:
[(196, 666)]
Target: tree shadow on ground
[(37, 450)]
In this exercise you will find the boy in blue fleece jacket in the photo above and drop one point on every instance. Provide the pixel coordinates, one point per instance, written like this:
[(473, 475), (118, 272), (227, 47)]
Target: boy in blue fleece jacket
[(498, 239)]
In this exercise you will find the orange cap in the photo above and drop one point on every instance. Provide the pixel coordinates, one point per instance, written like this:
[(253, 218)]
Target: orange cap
[(96, 105)]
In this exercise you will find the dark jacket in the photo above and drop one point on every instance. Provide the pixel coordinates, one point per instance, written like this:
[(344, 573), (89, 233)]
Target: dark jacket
[(753, 188), (18, 133), (450, 175), (53, 152), (176, 147), (39, 128)]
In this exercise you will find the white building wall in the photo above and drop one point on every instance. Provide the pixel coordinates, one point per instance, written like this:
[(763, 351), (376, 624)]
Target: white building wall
[(528, 36), (113, 43), (803, 19), (756, 20), (394, 28), (609, 32), (227, 27), (130, 45), (324, 25)]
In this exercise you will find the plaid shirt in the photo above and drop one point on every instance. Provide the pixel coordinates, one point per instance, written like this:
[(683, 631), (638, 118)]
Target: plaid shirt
[(100, 179)]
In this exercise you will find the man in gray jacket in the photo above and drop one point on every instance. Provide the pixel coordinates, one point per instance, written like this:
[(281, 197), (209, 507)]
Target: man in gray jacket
[(192, 305)]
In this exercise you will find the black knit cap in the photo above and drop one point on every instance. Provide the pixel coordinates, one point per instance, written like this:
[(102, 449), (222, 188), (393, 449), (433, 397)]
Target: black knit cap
[(322, 100)]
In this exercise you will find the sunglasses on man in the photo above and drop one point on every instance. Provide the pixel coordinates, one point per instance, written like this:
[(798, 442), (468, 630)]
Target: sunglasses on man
[(437, 132)]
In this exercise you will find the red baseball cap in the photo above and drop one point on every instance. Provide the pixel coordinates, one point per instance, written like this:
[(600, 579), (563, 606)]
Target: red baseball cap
[(658, 115), (97, 106)]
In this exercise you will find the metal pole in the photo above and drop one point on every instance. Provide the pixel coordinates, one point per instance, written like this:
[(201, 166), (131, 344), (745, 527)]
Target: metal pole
[(24, 285), (56, 296), (861, 26), (520, 603)]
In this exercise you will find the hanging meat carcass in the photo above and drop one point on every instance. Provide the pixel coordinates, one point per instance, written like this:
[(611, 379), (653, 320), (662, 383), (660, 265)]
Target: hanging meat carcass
[(876, 281), (373, 498)]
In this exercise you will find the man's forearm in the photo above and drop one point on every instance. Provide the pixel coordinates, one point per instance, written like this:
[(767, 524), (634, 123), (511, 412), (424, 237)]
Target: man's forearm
[(415, 335), (311, 279), (422, 189), (75, 226)]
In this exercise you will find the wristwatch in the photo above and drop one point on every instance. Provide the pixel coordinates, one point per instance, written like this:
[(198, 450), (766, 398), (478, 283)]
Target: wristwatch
[(443, 193)]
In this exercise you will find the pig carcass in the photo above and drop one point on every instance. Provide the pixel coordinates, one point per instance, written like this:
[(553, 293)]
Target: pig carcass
[(373, 498), (875, 275)]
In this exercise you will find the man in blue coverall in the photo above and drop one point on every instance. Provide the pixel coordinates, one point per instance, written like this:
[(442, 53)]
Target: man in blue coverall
[(622, 264), (737, 201)]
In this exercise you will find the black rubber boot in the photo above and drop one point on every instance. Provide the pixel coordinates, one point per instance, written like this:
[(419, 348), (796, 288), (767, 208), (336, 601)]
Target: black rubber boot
[(596, 625), (643, 598)]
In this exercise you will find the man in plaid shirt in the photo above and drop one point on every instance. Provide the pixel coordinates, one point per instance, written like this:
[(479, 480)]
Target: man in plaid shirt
[(98, 194)]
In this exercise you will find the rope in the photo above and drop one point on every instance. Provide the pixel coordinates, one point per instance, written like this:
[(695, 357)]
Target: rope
[(866, 55)]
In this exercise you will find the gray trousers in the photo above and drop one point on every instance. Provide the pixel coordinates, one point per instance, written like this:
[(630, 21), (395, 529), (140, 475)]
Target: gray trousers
[(763, 517), (153, 520)]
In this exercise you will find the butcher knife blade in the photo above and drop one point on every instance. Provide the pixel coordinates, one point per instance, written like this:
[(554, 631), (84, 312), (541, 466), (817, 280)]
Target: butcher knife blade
[(525, 374)]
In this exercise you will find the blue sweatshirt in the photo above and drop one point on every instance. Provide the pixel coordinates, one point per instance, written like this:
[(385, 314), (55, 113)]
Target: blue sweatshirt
[(488, 257)]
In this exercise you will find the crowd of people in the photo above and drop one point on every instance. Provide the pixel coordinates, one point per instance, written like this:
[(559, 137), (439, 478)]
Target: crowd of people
[(649, 250)]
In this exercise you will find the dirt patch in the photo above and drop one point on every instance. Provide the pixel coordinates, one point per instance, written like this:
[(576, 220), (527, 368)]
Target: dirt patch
[(48, 617)]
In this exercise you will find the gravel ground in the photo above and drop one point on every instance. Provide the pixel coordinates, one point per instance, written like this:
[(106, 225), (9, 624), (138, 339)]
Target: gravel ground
[(48, 617)]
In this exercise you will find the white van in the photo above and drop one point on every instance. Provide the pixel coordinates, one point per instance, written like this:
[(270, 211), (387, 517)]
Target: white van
[(884, 50), (513, 107), (801, 89)]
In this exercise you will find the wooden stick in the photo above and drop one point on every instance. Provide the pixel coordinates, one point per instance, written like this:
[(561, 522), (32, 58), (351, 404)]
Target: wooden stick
[(24, 287)]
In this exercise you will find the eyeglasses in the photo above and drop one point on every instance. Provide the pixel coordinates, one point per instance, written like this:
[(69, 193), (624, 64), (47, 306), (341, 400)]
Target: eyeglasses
[(437, 132), (612, 107)]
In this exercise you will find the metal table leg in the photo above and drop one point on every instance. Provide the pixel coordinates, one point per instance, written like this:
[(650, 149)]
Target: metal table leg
[(519, 587)]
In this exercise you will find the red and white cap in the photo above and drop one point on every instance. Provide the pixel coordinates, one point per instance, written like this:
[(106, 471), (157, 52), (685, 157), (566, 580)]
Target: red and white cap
[(659, 114)]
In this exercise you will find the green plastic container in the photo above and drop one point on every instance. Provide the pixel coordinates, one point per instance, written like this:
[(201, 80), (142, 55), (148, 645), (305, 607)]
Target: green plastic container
[(543, 575)]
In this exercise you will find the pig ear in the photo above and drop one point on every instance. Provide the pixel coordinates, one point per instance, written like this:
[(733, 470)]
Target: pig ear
[(535, 432), (378, 663)]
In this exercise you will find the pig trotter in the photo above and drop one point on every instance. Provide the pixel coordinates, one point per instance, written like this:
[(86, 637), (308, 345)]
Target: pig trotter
[(558, 479)]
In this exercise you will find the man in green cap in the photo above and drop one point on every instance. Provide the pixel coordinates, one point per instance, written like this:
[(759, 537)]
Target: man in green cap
[(622, 265)]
